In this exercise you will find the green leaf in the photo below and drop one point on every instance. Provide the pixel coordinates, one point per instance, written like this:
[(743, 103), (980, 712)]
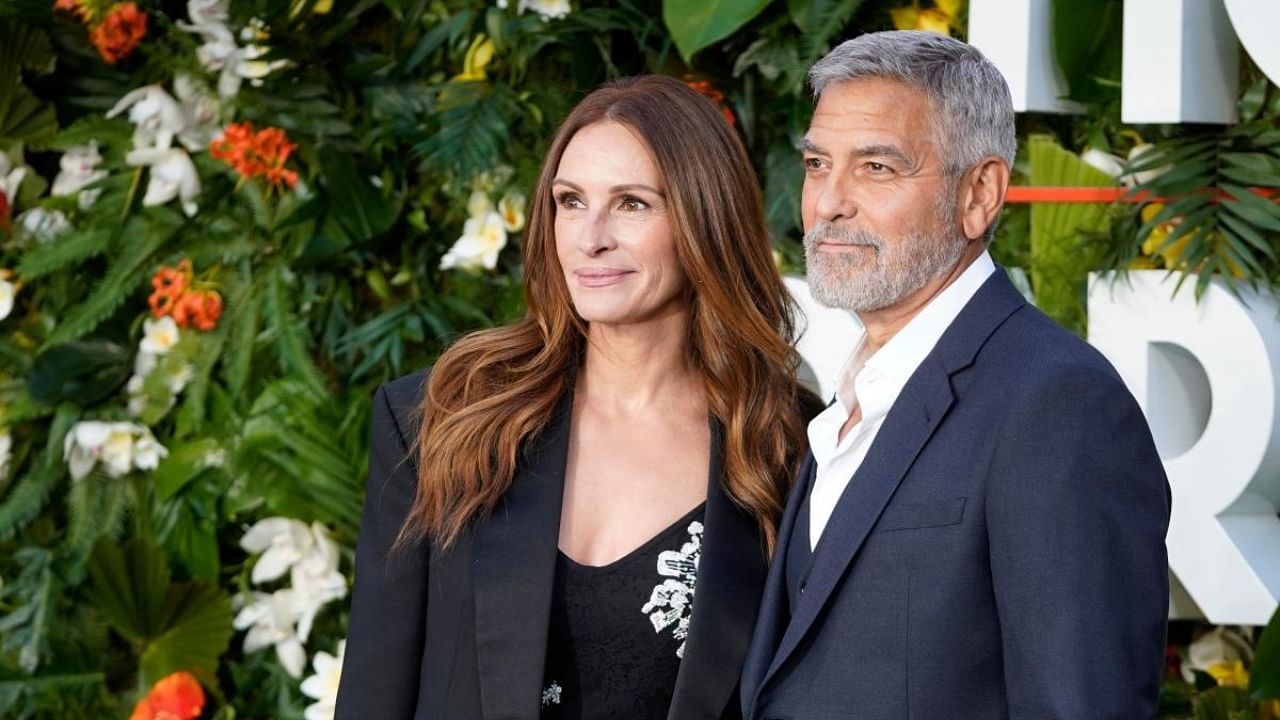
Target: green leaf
[(291, 336), (358, 206), (70, 249), (696, 24), (178, 626), (81, 371), (1264, 677), (30, 493), (1086, 46), (143, 240), (820, 21), (23, 116), (1252, 100)]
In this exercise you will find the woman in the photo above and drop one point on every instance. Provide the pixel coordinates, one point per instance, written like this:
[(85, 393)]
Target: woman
[(545, 507)]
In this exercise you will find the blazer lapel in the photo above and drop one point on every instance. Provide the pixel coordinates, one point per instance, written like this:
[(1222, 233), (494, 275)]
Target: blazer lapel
[(773, 616), (730, 574), (910, 423), (515, 560)]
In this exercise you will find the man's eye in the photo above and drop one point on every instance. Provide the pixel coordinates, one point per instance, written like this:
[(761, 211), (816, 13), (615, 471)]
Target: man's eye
[(813, 163), (878, 168)]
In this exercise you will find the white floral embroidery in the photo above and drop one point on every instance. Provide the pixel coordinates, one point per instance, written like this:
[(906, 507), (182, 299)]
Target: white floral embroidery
[(551, 696), (671, 602)]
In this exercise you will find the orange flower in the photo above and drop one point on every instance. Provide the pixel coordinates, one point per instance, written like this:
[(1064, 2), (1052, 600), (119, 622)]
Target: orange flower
[(169, 285), (201, 308), (705, 88), (256, 154), (119, 32), (175, 697), (75, 7)]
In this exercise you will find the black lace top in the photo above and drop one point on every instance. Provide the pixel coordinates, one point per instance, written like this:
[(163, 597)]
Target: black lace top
[(617, 631)]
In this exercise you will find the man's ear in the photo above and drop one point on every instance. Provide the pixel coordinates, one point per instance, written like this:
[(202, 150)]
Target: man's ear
[(982, 192)]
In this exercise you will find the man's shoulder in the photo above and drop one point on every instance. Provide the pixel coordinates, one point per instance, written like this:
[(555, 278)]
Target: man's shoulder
[(1031, 348)]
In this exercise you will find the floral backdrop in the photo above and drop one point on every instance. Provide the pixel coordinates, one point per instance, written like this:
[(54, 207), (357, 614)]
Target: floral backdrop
[(224, 222)]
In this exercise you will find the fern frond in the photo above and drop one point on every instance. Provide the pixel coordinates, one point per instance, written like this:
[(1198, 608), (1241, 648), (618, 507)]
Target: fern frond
[(142, 241), (291, 340), (67, 250)]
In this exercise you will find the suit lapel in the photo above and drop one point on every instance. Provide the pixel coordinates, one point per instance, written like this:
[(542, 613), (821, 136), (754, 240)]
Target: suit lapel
[(913, 419), (515, 560), (773, 613), (730, 573)]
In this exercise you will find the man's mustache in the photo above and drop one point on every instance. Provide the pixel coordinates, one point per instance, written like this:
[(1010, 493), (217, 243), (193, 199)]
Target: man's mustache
[(825, 231)]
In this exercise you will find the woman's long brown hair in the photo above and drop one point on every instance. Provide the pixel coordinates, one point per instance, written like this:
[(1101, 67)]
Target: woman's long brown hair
[(495, 389)]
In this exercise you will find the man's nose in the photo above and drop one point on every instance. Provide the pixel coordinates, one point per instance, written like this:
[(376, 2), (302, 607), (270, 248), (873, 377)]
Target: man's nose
[(836, 198)]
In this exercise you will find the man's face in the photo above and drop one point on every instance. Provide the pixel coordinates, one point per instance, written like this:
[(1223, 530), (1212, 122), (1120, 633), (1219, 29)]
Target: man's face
[(879, 211)]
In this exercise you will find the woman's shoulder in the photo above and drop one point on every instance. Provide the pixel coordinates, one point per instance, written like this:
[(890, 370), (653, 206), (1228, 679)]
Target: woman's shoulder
[(403, 396), (407, 388)]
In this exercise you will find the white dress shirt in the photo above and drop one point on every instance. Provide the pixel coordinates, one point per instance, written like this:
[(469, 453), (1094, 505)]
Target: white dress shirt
[(874, 383)]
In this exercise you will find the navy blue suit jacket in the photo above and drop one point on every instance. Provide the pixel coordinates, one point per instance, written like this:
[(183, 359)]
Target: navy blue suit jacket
[(998, 555)]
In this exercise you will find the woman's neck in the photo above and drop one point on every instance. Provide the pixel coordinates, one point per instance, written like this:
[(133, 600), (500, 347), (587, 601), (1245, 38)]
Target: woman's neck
[(638, 367)]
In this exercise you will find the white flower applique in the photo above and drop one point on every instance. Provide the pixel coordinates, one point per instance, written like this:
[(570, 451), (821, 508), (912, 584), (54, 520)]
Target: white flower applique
[(671, 602), (551, 695)]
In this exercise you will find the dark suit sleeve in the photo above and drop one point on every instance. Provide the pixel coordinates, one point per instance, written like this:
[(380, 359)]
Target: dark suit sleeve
[(380, 669), (1077, 511)]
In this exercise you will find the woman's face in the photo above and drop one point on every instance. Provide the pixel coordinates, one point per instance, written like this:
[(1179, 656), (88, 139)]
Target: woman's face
[(613, 229)]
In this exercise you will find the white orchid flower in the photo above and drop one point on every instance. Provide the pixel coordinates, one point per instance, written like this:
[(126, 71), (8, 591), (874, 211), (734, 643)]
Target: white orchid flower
[(177, 381), (269, 620), (1112, 165), (511, 207), (6, 444), (219, 44), (173, 175), (323, 685), (547, 9), (148, 452), (10, 178), (144, 362), (479, 204), (282, 542), (315, 579), (119, 446), (246, 64), (482, 239), (44, 225), (157, 118), (200, 111), (7, 293), (1216, 647), (207, 12), (159, 336), (83, 444), (78, 169)]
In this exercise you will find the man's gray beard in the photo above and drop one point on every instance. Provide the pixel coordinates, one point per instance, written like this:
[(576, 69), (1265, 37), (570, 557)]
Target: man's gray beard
[(854, 282)]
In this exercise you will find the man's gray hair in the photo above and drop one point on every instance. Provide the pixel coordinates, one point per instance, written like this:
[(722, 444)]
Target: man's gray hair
[(968, 95)]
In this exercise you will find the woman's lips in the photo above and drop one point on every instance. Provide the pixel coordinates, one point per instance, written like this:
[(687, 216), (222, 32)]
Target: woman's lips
[(600, 277)]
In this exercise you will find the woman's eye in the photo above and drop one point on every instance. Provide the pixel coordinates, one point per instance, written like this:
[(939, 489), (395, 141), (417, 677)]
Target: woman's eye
[(569, 201), (632, 204)]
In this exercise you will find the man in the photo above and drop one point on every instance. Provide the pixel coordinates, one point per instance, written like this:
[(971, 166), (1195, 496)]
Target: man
[(978, 532)]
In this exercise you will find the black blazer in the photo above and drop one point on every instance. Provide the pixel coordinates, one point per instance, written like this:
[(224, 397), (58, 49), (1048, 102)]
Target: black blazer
[(461, 633)]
